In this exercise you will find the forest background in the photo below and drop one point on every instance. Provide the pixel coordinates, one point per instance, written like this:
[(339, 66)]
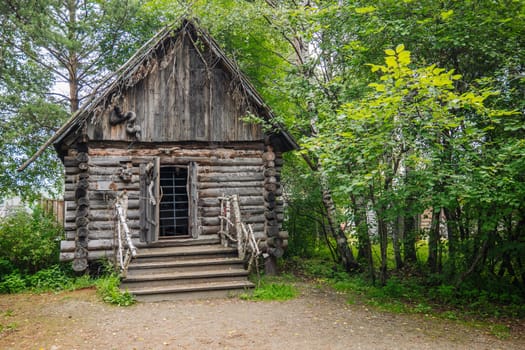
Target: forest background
[(401, 108)]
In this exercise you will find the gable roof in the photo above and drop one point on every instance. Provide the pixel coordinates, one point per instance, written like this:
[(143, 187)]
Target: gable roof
[(125, 76)]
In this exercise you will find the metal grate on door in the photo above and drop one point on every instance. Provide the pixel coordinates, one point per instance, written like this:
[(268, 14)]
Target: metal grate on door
[(173, 212)]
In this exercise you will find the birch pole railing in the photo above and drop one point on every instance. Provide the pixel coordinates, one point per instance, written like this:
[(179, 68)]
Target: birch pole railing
[(242, 235), (126, 248)]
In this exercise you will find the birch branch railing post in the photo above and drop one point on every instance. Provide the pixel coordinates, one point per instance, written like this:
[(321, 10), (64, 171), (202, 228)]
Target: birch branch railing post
[(126, 248), (244, 236)]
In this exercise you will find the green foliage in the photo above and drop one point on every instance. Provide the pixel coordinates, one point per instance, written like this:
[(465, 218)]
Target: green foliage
[(268, 290), (48, 48), (305, 220), (29, 241), (55, 278), (108, 289), (12, 283)]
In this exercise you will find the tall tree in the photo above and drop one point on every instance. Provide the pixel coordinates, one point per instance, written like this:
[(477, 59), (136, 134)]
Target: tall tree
[(53, 53)]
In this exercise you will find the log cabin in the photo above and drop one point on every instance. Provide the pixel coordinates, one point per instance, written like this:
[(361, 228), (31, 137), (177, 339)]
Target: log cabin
[(168, 131)]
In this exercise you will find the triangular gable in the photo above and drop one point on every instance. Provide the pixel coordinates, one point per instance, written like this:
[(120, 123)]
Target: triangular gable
[(118, 88)]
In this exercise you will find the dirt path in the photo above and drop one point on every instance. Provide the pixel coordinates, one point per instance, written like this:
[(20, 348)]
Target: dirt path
[(319, 319)]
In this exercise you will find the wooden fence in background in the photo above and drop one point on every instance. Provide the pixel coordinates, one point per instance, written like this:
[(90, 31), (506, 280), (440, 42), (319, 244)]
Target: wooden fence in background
[(55, 207)]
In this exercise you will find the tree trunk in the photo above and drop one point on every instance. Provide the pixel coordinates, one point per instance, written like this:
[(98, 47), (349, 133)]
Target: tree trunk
[(73, 64), (383, 245), (409, 239), (433, 242), (365, 245), (452, 230), (343, 248), (397, 228)]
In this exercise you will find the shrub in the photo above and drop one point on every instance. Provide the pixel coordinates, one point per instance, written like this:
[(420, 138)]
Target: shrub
[(108, 289), (29, 241), (12, 283), (50, 279)]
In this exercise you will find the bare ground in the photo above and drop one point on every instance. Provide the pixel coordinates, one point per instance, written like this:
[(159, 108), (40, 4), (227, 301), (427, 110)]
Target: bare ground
[(318, 319)]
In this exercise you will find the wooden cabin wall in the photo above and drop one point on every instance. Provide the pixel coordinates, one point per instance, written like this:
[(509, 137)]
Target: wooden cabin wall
[(221, 171), (181, 98)]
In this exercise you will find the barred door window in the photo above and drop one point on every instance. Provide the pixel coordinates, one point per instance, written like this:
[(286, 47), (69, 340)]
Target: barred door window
[(173, 211)]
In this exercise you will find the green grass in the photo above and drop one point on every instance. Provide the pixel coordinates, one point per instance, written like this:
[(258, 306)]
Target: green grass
[(278, 288), (109, 291), (409, 291)]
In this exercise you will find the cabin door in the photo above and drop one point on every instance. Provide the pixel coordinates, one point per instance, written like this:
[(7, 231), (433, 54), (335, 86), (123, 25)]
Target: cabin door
[(174, 202), (169, 201)]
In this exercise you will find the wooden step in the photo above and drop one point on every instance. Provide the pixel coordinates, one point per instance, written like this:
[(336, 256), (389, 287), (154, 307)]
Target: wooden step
[(174, 278), (185, 252), (159, 267), (185, 269), (177, 242), (192, 291)]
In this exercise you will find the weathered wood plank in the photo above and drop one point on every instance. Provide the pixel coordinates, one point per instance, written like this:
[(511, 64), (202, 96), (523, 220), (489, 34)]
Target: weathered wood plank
[(230, 184), (218, 192), (92, 255), (214, 202), (93, 244), (221, 177)]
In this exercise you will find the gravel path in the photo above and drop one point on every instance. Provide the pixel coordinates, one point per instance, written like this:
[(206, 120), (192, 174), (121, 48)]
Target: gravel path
[(319, 319)]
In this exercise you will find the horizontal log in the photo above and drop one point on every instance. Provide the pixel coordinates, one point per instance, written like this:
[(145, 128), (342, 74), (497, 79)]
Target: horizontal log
[(238, 177), (110, 170), (248, 201), (115, 185), (215, 192), (108, 160), (102, 225), (94, 255), (215, 229), (111, 178), (71, 170), (230, 184), (187, 149), (99, 244), (98, 204), (245, 210), (109, 215), (215, 221)]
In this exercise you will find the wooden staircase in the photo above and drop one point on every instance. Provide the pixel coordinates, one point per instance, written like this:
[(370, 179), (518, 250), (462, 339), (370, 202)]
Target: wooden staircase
[(185, 268)]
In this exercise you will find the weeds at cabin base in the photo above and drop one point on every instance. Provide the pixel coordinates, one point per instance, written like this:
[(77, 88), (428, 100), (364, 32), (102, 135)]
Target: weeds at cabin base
[(268, 288), (109, 291)]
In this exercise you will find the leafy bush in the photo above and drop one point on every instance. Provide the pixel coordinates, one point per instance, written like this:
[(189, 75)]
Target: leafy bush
[(108, 289), (29, 241), (50, 279), (55, 278), (12, 283)]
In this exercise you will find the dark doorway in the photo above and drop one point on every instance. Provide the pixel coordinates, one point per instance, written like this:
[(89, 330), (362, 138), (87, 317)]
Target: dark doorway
[(173, 213)]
